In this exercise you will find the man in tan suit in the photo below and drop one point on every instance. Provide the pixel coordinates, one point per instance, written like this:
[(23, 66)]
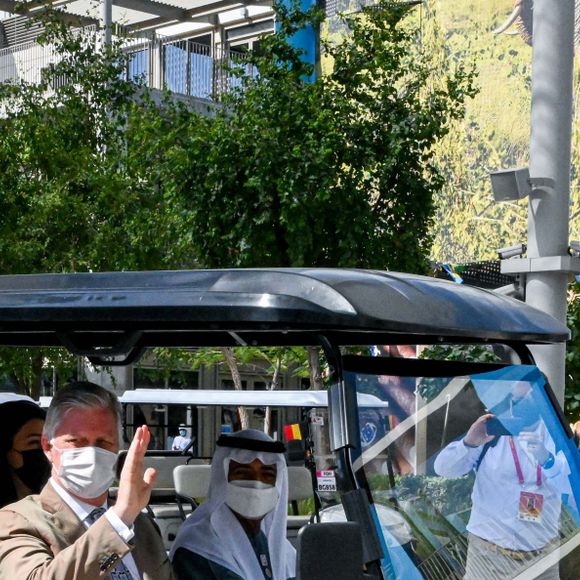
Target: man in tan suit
[(60, 533)]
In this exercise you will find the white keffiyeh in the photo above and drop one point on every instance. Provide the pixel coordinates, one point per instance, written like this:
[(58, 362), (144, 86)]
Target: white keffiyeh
[(214, 532)]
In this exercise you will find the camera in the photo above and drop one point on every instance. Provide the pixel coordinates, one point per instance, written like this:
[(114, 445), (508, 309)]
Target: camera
[(504, 426)]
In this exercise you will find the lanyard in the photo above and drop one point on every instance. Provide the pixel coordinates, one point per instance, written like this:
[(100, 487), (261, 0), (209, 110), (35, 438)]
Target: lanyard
[(519, 467), (264, 559), (260, 546)]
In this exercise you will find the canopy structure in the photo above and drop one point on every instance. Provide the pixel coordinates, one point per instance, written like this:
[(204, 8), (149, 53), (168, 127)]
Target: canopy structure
[(122, 313), (200, 397), (165, 17)]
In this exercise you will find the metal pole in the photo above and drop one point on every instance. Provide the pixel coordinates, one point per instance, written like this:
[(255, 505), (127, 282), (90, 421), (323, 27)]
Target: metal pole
[(550, 150), (106, 22)]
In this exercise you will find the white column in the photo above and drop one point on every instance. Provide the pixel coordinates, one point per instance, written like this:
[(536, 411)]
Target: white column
[(106, 22), (550, 150)]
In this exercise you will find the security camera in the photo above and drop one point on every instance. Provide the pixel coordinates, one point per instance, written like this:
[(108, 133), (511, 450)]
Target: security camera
[(512, 251), (574, 248)]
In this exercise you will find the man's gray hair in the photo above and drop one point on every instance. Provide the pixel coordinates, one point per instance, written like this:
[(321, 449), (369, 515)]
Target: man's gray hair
[(79, 395)]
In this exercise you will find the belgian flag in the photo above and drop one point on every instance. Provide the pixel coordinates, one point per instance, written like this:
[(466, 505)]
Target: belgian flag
[(292, 432)]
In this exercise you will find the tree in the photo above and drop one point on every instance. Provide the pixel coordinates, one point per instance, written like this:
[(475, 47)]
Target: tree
[(272, 362), (494, 134), (75, 195), (337, 172)]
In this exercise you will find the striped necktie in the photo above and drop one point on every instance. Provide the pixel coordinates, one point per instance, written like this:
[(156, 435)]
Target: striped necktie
[(120, 572)]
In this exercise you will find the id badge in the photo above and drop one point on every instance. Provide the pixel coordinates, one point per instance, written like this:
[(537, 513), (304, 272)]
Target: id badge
[(531, 505)]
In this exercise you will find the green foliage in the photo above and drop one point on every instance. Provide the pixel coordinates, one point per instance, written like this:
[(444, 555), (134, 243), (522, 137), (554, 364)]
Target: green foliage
[(446, 495), (77, 192), (461, 352), (77, 195), (494, 133), (97, 175), (26, 368), (336, 172), (572, 393), (430, 387), (254, 360)]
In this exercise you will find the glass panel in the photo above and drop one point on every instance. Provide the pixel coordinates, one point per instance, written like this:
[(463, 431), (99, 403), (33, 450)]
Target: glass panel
[(175, 67), (201, 75), (138, 65), (472, 476)]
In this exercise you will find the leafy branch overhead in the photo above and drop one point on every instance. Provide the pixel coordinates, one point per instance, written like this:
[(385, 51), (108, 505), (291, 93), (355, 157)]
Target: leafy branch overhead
[(336, 172)]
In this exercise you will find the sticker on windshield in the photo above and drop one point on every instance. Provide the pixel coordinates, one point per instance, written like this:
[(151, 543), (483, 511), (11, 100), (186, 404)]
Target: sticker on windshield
[(368, 433), (326, 480), (317, 420)]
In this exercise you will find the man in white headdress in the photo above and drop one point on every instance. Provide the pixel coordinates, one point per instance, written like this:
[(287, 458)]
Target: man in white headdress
[(239, 532)]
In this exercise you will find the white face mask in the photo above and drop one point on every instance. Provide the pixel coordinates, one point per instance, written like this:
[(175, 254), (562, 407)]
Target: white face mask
[(251, 499), (86, 471)]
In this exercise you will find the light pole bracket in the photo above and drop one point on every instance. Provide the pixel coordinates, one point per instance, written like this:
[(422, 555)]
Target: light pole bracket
[(541, 183), (564, 264)]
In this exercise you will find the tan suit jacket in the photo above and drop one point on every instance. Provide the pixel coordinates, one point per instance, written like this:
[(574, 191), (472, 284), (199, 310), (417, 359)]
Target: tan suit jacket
[(41, 538)]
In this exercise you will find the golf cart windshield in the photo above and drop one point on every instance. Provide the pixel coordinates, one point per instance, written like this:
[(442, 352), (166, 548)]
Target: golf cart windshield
[(463, 498)]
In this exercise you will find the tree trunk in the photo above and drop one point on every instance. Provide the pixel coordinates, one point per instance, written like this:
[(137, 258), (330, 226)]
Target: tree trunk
[(36, 376), (232, 363), (273, 385), (314, 367), (21, 387), (28, 380)]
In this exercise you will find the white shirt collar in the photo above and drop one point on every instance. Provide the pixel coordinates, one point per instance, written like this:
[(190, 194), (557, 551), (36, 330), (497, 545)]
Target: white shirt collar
[(79, 507)]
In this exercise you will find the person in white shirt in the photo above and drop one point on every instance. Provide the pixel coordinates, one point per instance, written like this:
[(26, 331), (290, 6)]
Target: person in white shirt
[(60, 534), (517, 495), (182, 441)]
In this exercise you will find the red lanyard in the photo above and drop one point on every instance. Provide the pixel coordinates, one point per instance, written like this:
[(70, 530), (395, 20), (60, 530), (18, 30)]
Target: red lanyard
[(519, 467)]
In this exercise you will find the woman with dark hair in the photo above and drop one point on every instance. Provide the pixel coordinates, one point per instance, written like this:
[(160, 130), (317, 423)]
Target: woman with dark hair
[(24, 468)]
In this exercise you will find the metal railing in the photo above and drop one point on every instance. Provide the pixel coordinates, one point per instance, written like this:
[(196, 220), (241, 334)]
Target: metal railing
[(186, 67), (25, 62), (181, 66)]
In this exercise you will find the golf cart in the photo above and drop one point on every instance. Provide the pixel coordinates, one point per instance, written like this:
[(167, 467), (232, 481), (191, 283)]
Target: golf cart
[(382, 464), (177, 493)]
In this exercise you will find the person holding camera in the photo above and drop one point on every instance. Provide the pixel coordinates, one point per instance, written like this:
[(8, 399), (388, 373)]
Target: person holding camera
[(516, 498)]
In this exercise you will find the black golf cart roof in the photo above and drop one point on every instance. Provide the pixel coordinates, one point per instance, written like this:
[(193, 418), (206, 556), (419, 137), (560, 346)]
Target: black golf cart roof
[(122, 313)]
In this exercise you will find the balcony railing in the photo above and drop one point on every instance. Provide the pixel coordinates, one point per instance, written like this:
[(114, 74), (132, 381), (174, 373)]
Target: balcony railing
[(181, 66), (24, 62)]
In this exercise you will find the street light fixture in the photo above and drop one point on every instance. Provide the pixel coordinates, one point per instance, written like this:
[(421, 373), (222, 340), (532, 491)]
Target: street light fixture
[(516, 183)]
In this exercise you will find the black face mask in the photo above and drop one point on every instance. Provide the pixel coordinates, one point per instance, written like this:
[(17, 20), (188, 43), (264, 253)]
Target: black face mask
[(35, 470)]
